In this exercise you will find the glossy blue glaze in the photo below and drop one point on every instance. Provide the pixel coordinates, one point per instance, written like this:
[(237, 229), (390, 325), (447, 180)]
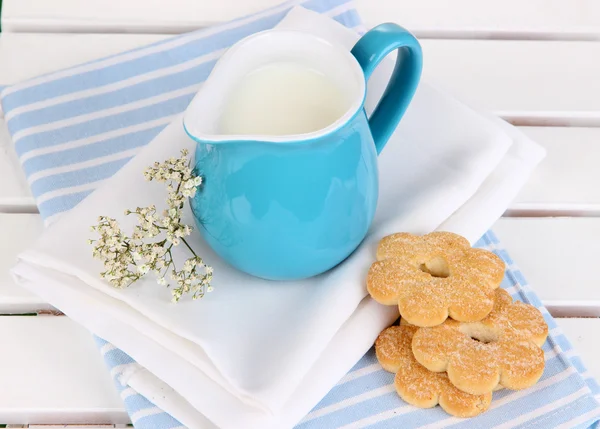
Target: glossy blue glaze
[(293, 210), (282, 212), (373, 47)]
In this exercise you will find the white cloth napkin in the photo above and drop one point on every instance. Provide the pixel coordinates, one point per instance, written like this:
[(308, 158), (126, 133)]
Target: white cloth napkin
[(260, 354)]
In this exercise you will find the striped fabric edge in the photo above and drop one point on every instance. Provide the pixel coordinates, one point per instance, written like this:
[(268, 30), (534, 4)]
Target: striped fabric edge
[(366, 369), (170, 43), (366, 397), (140, 51), (66, 157), (137, 405), (144, 414)]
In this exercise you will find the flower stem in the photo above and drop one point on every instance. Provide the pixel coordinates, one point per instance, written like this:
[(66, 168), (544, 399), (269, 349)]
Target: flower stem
[(188, 246), (171, 261)]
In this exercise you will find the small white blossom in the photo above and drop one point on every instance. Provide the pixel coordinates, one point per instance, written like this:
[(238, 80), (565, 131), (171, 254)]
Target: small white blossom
[(127, 259), (188, 266)]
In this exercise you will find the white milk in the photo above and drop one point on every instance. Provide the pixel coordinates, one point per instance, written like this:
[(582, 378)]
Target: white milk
[(282, 99)]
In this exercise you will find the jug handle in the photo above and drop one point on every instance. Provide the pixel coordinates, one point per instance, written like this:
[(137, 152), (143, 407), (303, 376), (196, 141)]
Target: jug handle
[(373, 47)]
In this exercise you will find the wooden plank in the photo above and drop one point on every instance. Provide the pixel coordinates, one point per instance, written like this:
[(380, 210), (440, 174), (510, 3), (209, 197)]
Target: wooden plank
[(150, 16), (507, 19), (566, 181), (57, 375), (529, 83), (526, 82), (558, 257), (53, 373), (82, 426), (17, 232), (541, 19), (581, 333), (494, 83), (70, 426), (554, 254)]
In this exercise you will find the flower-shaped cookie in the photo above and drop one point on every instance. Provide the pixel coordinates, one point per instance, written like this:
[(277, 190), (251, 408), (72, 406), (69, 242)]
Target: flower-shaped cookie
[(434, 276), (417, 385), (502, 349)]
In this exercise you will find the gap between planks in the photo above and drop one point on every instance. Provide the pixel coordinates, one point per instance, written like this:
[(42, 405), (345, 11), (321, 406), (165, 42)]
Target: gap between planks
[(564, 184), (465, 19), (56, 365), (67, 426), (527, 83), (421, 34), (539, 246)]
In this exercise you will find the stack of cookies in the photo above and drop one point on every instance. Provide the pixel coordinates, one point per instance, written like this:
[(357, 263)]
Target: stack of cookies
[(460, 336)]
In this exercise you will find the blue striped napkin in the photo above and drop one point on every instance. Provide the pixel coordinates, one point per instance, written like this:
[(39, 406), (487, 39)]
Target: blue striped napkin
[(75, 128), (566, 395)]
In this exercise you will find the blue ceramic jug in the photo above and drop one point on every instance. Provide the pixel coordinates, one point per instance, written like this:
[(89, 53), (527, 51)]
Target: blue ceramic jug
[(294, 206)]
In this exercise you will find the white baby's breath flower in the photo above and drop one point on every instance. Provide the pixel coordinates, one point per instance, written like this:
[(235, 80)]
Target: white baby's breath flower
[(188, 266), (127, 259)]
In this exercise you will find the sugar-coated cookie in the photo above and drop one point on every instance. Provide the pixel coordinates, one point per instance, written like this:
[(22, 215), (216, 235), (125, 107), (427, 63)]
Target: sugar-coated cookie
[(434, 276), (502, 349), (417, 385)]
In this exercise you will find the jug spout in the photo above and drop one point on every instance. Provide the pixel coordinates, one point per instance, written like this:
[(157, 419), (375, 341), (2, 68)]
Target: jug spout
[(294, 210), (277, 86)]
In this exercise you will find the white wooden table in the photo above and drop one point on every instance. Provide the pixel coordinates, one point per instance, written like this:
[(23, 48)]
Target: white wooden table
[(535, 63)]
